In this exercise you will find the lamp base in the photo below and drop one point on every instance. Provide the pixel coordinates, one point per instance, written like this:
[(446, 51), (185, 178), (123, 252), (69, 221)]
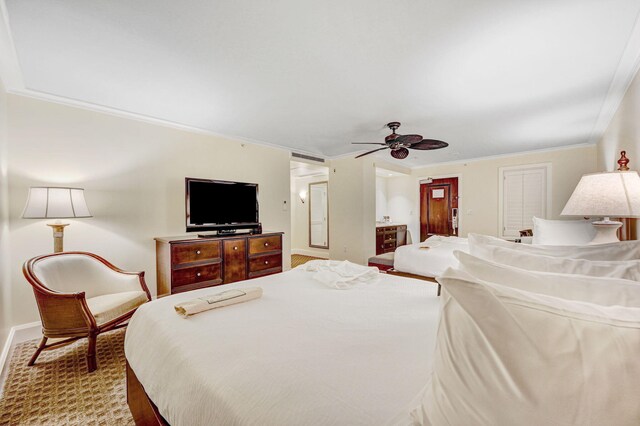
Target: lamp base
[(606, 231), (58, 235)]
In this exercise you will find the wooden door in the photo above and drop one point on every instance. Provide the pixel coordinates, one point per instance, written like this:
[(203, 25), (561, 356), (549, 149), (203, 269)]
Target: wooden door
[(438, 205)]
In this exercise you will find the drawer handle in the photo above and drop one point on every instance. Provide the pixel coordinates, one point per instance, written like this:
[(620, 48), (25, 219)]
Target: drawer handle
[(235, 248), (266, 262), (197, 251), (266, 244), (198, 274)]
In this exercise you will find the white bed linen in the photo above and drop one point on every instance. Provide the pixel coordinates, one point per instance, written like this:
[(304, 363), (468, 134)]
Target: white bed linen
[(430, 262), (303, 354)]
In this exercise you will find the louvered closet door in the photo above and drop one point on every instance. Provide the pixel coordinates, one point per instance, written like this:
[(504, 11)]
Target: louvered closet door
[(524, 196)]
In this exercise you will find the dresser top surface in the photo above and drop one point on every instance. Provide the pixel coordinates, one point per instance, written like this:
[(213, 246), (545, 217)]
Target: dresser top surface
[(194, 237)]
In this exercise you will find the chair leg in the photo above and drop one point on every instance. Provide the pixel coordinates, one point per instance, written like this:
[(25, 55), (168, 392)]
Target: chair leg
[(91, 353), (41, 346)]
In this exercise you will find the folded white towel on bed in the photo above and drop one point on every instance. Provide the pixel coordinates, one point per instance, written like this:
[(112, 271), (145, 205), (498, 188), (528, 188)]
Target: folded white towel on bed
[(218, 300), (340, 275)]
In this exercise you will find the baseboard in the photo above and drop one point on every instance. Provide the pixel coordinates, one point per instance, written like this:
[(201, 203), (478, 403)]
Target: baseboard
[(18, 334), (4, 357), (324, 254)]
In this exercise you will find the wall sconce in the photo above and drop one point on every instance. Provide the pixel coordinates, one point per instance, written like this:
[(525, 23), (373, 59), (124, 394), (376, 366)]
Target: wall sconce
[(303, 195), (55, 203)]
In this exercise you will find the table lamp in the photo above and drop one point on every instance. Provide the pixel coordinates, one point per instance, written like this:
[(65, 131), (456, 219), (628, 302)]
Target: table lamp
[(607, 194), (55, 203)]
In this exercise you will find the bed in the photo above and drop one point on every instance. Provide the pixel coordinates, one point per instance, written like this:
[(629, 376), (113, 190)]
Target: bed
[(429, 258), (304, 353)]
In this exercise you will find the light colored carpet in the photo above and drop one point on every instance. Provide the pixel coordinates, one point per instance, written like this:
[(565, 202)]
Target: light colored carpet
[(299, 259), (57, 390)]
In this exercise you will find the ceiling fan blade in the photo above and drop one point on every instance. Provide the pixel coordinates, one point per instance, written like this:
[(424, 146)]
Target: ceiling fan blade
[(372, 151), (367, 143), (427, 144), (408, 139)]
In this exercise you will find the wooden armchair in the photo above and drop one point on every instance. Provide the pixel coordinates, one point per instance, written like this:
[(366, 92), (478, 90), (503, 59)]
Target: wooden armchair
[(82, 295)]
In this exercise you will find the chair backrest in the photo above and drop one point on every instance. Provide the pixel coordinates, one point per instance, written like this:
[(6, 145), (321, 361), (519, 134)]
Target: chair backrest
[(74, 272)]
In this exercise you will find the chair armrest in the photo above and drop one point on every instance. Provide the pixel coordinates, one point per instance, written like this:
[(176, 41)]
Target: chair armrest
[(64, 314), (128, 281)]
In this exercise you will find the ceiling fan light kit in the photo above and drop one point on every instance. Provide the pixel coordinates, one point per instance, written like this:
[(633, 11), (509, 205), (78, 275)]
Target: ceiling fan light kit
[(400, 153), (400, 144)]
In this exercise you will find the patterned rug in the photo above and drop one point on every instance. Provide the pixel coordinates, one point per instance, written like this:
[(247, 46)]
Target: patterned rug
[(299, 259), (57, 390)]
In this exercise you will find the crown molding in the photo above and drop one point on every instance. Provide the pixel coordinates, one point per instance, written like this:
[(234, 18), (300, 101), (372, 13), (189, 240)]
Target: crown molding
[(627, 69), (10, 72), (512, 154), (88, 106)]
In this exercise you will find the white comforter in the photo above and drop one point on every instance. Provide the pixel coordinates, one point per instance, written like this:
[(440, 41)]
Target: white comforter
[(431, 262), (303, 354)]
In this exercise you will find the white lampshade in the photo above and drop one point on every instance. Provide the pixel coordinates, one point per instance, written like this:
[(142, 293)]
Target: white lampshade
[(609, 194), (55, 203)]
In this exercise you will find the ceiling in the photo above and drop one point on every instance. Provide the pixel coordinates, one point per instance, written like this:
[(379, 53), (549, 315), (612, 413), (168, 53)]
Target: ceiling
[(385, 173), (490, 77)]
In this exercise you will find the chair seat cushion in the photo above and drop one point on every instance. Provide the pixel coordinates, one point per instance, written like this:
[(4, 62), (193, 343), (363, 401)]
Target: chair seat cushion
[(110, 306)]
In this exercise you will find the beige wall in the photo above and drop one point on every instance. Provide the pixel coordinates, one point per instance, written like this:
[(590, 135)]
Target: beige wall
[(5, 274), (381, 197), (478, 188), (300, 218), (133, 174), (623, 132), (352, 209)]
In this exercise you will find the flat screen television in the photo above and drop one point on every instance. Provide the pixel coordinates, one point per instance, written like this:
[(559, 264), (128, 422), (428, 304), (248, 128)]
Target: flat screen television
[(220, 205)]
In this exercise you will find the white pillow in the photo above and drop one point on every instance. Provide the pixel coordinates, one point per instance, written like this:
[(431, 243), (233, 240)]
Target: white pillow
[(624, 250), (562, 232), (598, 290), (626, 269), (510, 357)]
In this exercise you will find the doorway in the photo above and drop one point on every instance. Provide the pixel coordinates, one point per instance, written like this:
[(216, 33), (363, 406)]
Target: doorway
[(309, 210), (439, 207), (319, 215)]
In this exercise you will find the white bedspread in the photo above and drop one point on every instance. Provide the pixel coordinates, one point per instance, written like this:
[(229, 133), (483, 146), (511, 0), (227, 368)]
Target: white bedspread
[(430, 262), (303, 354)]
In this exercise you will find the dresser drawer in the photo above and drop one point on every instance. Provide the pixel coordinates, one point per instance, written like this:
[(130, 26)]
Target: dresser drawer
[(261, 263), (259, 245), (197, 274), (194, 252)]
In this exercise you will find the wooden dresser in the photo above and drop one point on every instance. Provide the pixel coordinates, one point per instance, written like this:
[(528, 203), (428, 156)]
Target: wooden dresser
[(189, 262), (388, 238)]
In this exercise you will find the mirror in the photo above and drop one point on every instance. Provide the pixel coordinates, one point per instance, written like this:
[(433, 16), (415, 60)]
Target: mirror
[(319, 215)]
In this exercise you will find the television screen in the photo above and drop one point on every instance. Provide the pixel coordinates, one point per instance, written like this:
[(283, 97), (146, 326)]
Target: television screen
[(212, 204)]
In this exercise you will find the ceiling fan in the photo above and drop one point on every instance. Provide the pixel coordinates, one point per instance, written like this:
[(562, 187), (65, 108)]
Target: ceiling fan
[(398, 144)]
